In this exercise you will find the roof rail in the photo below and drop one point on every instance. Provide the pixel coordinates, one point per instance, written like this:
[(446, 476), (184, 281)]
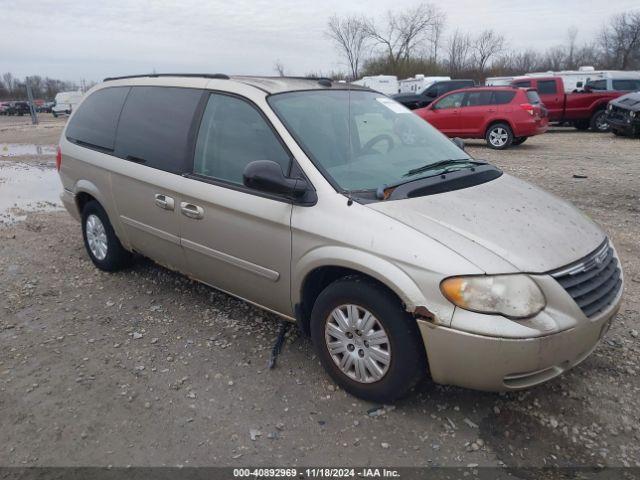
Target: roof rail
[(220, 76)]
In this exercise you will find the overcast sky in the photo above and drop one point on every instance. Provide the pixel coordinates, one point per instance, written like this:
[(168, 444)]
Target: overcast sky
[(75, 39)]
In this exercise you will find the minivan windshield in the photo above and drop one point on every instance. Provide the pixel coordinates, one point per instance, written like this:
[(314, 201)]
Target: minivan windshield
[(363, 140)]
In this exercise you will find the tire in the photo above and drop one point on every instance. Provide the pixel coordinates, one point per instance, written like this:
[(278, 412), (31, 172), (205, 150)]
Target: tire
[(519, 140), (499, 136), (598, 122), (406, 359), (102, 244), (581, 125), (55, 115)]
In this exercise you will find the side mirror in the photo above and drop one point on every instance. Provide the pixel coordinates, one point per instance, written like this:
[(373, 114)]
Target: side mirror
[(459, 142), (267, 176)]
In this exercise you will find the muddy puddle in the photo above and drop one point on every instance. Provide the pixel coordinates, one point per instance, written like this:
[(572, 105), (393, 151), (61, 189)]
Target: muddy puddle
[(23, 149), (28, 187)]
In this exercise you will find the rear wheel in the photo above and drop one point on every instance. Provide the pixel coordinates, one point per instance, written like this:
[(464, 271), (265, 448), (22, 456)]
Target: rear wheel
[(499, 136), (519, 140), (599, 122), (100, 240), (367, 343)]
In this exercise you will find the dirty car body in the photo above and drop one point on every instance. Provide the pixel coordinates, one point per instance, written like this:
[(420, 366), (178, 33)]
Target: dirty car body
[(337, 208), (623, 114)]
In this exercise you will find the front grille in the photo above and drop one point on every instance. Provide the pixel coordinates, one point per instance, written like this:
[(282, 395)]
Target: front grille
[(617, 113), (594, 281)]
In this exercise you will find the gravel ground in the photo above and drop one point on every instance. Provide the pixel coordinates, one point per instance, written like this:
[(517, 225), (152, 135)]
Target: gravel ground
[(145, 367)]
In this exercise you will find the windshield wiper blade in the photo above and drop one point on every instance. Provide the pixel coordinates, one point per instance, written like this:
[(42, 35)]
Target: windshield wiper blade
[(441, 164)]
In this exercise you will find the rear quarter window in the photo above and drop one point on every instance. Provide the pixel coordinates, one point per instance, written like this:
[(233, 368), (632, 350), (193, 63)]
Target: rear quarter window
[(95, 122), (503, 97), (154, 127), (533, 96)]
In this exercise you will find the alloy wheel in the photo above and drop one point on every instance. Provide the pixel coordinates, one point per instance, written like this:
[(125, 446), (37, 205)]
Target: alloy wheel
[(96, 237)]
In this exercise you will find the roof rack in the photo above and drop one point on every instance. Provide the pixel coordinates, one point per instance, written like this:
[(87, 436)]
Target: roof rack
[(220, 76)]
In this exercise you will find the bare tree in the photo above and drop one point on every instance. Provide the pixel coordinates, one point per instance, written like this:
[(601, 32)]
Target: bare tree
[(620, 39), (404, 32), (9, 82), (572, 34), (458, 51), (486, 46), (279, 68), (435, 38), (350, 35)]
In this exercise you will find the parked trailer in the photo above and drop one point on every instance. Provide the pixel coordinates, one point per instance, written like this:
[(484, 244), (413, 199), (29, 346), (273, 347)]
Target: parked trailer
[(387, 84)]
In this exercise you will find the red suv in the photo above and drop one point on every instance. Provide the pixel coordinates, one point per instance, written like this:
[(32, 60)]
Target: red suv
[(503, 116)]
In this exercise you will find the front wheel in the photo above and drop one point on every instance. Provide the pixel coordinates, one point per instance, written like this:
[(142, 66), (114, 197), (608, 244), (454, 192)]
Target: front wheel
[(519, 140), (100, 240), (367, 343), (499, 136), (599, 122)]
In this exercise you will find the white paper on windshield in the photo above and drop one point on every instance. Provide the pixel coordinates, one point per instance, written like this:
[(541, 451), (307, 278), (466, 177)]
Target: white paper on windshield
[(393, 106)]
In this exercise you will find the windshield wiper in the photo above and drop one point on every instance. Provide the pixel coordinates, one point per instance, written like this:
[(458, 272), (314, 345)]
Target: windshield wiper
[(380, 195), (441, 164)]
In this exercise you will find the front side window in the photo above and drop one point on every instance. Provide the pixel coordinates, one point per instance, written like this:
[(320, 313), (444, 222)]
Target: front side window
[(233, 134), (450, 101), (363, 140), (524, 84), (626, 84), (95, 122), (154, 126)]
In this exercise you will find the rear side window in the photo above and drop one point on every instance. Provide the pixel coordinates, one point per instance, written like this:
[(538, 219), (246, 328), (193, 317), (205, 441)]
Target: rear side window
[(626, 84), (546, 87), (233, 134), (94, 123), (479, 98), (533, 97), (154, 127), (502, 97)]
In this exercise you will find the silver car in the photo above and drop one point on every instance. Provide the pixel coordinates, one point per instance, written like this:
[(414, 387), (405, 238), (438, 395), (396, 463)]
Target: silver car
[(337, 208)]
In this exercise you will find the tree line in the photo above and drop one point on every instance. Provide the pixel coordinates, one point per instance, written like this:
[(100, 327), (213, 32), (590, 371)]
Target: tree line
[(416, 40), (14, 88)]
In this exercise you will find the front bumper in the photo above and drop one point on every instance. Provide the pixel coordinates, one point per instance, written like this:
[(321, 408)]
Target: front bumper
[(498, 364), (627, 126)]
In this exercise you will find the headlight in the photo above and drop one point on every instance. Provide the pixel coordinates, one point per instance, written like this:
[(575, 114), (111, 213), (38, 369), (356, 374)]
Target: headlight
[(514, 296), (632, 114), (609, 107)]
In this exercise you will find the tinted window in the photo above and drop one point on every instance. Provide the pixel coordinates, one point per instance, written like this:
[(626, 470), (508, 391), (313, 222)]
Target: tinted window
[(479, 98), (233, 134), (546, 87), (502, 97), (626, 84), (450, 101), (597, 85), (525, 84), (96, 120), (154, 126), (533, 96)]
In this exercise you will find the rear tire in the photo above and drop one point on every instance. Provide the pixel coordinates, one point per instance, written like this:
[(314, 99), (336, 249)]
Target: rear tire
[(104, 249), (357, 358), (519, 140), (499, 136), (599, 122)]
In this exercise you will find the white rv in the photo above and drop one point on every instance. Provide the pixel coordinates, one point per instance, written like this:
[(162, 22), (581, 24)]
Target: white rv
[(387, 84), (419, 83), (498, 81), (65, 102)]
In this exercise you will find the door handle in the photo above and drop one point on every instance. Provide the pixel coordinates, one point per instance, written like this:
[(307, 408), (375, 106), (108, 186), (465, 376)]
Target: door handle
[(192, 211), (164, 202)]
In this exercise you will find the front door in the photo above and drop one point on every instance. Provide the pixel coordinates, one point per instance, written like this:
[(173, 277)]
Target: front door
[(445, 114), (236, 239)]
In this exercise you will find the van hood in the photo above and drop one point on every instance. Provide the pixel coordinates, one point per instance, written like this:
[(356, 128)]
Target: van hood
[(506, 225)]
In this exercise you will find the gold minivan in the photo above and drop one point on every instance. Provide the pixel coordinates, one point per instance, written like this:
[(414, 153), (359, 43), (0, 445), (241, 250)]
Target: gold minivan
[(337, 208)]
